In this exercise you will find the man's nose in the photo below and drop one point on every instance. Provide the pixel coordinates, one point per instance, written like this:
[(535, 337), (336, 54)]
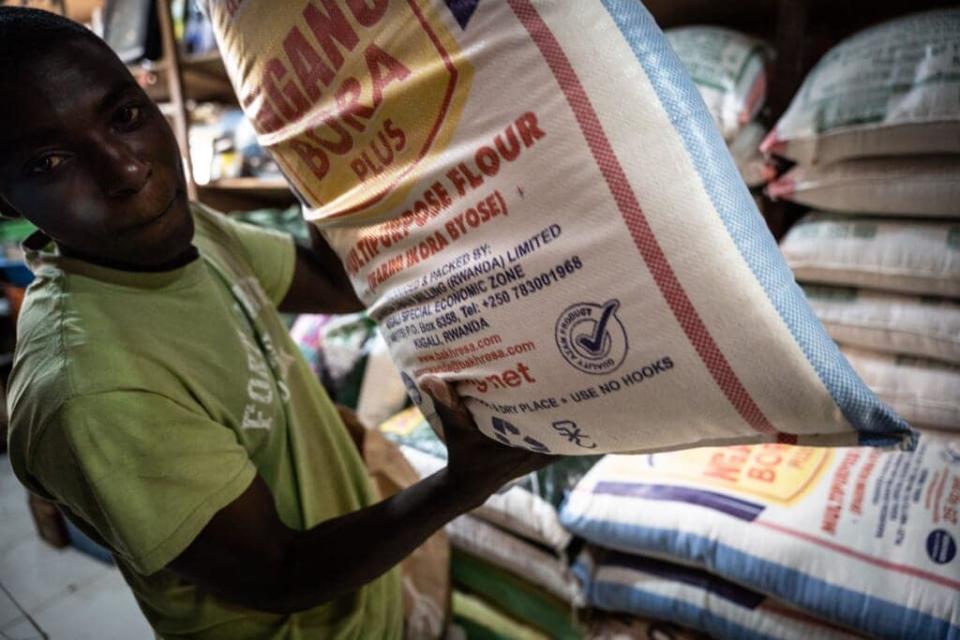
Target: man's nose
[(121, 170)]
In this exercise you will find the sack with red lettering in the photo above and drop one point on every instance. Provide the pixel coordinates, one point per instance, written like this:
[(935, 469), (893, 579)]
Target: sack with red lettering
[(861, 537), (533, 202)]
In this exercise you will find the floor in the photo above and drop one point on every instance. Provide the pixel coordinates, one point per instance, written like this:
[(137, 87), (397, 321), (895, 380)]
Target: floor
[(60, 594)]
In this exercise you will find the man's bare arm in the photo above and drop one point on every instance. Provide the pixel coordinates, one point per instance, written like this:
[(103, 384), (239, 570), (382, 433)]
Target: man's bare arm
[(248, 556), (320, 283)]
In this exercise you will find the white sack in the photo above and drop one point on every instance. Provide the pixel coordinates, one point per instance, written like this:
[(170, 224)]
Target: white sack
[(729, 69), (862, 537), (906, 186), (888, 90), (925, 392), (918, 258), (889, 322)]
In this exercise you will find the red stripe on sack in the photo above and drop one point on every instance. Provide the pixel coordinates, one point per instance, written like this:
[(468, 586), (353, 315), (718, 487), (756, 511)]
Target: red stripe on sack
[(853, 553), (636, 222)]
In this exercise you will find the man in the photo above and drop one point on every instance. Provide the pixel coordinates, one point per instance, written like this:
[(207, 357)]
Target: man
[(155, 394)]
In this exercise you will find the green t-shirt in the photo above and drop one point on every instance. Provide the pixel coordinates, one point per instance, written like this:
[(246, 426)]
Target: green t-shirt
[(143, 403)]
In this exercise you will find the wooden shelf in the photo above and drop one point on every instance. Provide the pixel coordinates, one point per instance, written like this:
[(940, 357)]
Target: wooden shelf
[(204, 79)]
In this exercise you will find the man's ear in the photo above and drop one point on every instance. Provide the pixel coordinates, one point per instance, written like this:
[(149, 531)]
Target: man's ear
[(7, 210)]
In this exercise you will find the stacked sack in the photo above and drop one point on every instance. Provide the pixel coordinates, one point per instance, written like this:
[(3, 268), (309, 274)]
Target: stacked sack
[(875, 132), (512, 557), (776, 540), (729, 69), (512, 552)]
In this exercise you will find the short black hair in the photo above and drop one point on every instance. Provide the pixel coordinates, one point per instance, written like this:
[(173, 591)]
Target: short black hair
[(27, 33)]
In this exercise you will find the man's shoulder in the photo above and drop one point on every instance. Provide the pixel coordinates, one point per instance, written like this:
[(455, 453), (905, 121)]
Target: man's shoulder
[(80, 343), (214, 231), (40, 380), (246, 253)]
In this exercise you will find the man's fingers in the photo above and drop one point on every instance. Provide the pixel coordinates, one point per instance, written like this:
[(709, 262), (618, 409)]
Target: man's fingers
[(440, 391), (447, 403)]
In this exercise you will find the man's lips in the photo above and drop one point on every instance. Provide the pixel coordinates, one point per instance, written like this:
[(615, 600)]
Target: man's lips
[(166, 209)]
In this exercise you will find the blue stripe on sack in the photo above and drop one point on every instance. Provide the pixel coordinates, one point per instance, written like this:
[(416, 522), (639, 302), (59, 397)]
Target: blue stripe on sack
[(854, 609), (689, 116), (685, 574), (613, 596), (724, 503)]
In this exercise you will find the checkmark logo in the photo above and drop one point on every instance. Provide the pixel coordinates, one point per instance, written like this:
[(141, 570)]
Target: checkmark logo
[(594, 342), (591, 337)]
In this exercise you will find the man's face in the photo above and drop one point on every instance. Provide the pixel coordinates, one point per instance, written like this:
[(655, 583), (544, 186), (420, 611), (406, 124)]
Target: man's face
[(88, 158)]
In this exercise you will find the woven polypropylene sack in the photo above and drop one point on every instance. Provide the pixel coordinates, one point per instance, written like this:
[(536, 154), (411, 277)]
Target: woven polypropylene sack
[(926, 392), (926, 327), (861, 537), (729, 69), (533, 564), (888, 90), (917, 258), (915, 186), (534, 203), (653, 588)]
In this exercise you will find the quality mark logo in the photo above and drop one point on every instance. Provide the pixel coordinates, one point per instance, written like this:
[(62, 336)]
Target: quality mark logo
[(591, 337)]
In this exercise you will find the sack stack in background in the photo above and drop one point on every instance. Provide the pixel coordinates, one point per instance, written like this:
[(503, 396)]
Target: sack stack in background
[(729, 69), (887, 91), (777, 540), (875, 132), (651, 588), (512, 552), (892, 305)]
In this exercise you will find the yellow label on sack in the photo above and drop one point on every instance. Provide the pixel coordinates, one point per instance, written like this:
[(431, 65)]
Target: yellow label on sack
[(777, 472), (351, 97), (773, 472)]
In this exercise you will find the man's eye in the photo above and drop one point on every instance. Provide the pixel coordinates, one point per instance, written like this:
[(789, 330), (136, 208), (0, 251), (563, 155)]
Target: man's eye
[(45, 164), (129, 115)]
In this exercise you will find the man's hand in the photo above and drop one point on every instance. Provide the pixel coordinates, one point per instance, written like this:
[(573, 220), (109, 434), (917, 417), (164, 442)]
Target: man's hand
[(473, 459)]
